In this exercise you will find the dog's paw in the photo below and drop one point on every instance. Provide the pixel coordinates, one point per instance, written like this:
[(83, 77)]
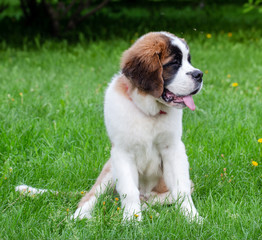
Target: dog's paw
[(194, 218), (197, 219), (80, 214), (128, 216)]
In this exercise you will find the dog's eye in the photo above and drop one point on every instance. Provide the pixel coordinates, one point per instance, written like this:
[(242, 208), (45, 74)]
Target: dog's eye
[(174, 63)]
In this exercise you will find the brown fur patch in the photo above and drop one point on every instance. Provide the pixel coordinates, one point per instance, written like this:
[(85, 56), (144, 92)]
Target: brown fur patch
[(161, 186), (123, 86), (168, 59), (142, 63)]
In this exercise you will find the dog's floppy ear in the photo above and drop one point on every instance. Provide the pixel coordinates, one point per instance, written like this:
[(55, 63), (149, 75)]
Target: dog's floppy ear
[(141, 64)]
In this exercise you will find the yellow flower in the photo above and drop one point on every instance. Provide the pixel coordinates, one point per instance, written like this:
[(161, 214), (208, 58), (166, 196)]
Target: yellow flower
[(67, 209), (254, 163), (118, 208), (151, 217), (206, 72), (117, 199), (260, 140), (104, 203), (209, 35), (229, 34), (228, 76), (82, 192), (234, 84), (136, 215), (21, 95)]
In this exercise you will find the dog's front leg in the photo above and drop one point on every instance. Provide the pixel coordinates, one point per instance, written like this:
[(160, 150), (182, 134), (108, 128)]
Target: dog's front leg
[(176, 176), (125, 175)]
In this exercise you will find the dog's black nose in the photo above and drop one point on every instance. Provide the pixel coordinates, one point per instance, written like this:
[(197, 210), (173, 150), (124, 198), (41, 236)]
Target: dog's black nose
[(197, 75)]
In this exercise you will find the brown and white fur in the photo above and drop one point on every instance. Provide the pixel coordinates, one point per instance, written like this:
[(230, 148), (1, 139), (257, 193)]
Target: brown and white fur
[(143, 116)]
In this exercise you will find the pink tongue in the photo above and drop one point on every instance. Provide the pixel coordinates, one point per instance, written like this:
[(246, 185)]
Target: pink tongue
[(188, 100)]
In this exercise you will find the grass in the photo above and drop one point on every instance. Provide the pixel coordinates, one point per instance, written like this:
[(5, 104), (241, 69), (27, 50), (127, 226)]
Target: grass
[(52, 134)]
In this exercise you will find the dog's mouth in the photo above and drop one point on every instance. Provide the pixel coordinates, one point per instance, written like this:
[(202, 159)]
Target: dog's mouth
[(171, 98)]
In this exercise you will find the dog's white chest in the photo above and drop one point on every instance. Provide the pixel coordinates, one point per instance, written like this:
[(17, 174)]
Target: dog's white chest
[(148, 159)]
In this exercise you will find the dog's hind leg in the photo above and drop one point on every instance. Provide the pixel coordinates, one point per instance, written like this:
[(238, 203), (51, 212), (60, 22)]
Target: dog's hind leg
[(88, 202)]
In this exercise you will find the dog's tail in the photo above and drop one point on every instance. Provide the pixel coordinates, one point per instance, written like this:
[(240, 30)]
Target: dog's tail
[(88, 202), (31, 190)]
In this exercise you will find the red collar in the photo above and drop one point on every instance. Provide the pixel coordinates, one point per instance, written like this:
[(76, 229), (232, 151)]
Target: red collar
[(162, 112)]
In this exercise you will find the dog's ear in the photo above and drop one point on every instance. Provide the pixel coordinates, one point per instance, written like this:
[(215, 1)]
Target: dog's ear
[(141, 64)]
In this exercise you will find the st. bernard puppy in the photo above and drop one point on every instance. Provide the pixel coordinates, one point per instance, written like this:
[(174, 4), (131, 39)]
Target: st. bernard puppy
[(143, 116)]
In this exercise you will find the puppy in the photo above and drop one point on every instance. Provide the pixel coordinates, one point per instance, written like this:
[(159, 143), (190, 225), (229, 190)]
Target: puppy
[(143, 116)]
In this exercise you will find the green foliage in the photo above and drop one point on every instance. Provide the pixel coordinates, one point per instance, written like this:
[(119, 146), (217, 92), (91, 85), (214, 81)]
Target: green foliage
[(127, 22), (52, 133), (252, 5)]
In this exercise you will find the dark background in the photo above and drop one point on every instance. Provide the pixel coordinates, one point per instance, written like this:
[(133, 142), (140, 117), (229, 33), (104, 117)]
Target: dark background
[(120, 19)]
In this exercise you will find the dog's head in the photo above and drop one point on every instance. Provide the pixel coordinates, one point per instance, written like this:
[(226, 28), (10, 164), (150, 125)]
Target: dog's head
[(159, 64)]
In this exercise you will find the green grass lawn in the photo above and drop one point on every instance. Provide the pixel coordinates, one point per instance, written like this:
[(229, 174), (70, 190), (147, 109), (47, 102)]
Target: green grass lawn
[(52, 134)]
